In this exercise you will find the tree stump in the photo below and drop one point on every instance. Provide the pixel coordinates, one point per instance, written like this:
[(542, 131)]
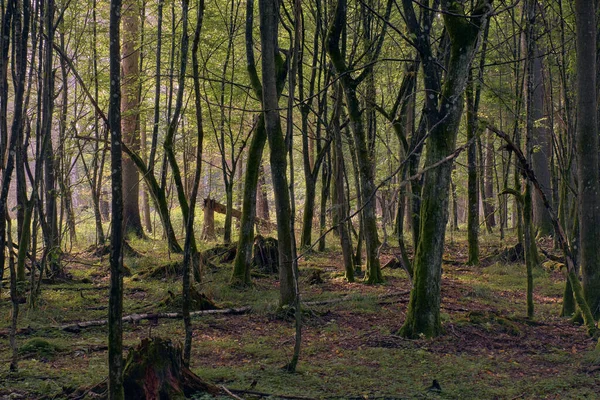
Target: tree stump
[(198, 301), (266, 254), (155, 370), (208, 228)]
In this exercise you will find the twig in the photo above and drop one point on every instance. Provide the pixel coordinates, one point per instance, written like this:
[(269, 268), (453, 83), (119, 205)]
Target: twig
[(233, 396), (271, 395)]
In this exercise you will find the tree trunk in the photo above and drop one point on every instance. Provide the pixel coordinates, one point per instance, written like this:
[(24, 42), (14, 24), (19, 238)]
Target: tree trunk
[(51, 235), (188, 253), (115, 299), (423, 316), (155, 369), (241, 267), (339, 201), (473, 189), (243, 258), (587, 153), (269, 15), (364, 153), (262, 198), (488, 204), (541, 143), (130, 111)]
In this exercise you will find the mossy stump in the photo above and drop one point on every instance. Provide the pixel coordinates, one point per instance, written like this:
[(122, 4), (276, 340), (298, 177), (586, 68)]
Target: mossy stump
[(198, 301), (266, 254), (155, 370)]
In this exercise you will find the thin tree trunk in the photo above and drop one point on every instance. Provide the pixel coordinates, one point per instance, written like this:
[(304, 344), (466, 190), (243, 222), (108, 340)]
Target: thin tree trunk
[(115, 299), (269, 14), (189, 231)]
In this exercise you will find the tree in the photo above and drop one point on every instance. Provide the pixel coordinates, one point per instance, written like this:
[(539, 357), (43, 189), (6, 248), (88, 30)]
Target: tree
[(115, 300), (130, 111), (444, 109), (587, 153), (269, 16)]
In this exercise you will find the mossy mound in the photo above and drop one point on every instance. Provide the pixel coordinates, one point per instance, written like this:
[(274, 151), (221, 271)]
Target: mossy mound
[(219, 254), (40, 348), (493, 322), (198, 301)]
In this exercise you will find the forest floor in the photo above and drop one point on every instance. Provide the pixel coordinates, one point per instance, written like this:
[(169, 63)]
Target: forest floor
[(350, 348)]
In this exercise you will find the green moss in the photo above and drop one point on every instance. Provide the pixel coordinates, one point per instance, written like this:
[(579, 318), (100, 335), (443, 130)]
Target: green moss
[(40, 347)]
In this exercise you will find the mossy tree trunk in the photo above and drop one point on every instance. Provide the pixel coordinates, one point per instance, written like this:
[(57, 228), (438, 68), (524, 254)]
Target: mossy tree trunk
[(168, 144), (159, 198), (587, 153), (243, 259), (269, 17), (19, 58), (188, 255), (311, 164), (444, 115)]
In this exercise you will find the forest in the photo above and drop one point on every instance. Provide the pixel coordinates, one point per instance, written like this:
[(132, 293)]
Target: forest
[(287, 199)]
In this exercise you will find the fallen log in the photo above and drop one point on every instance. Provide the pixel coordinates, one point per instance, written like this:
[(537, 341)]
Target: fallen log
[(135, 318), (76, 327), (132, 318), (217, 207)]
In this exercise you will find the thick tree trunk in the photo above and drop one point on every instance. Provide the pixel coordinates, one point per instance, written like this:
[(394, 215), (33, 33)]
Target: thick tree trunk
[(587, 153), (130, 111), (155, 369), (542, 144)]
